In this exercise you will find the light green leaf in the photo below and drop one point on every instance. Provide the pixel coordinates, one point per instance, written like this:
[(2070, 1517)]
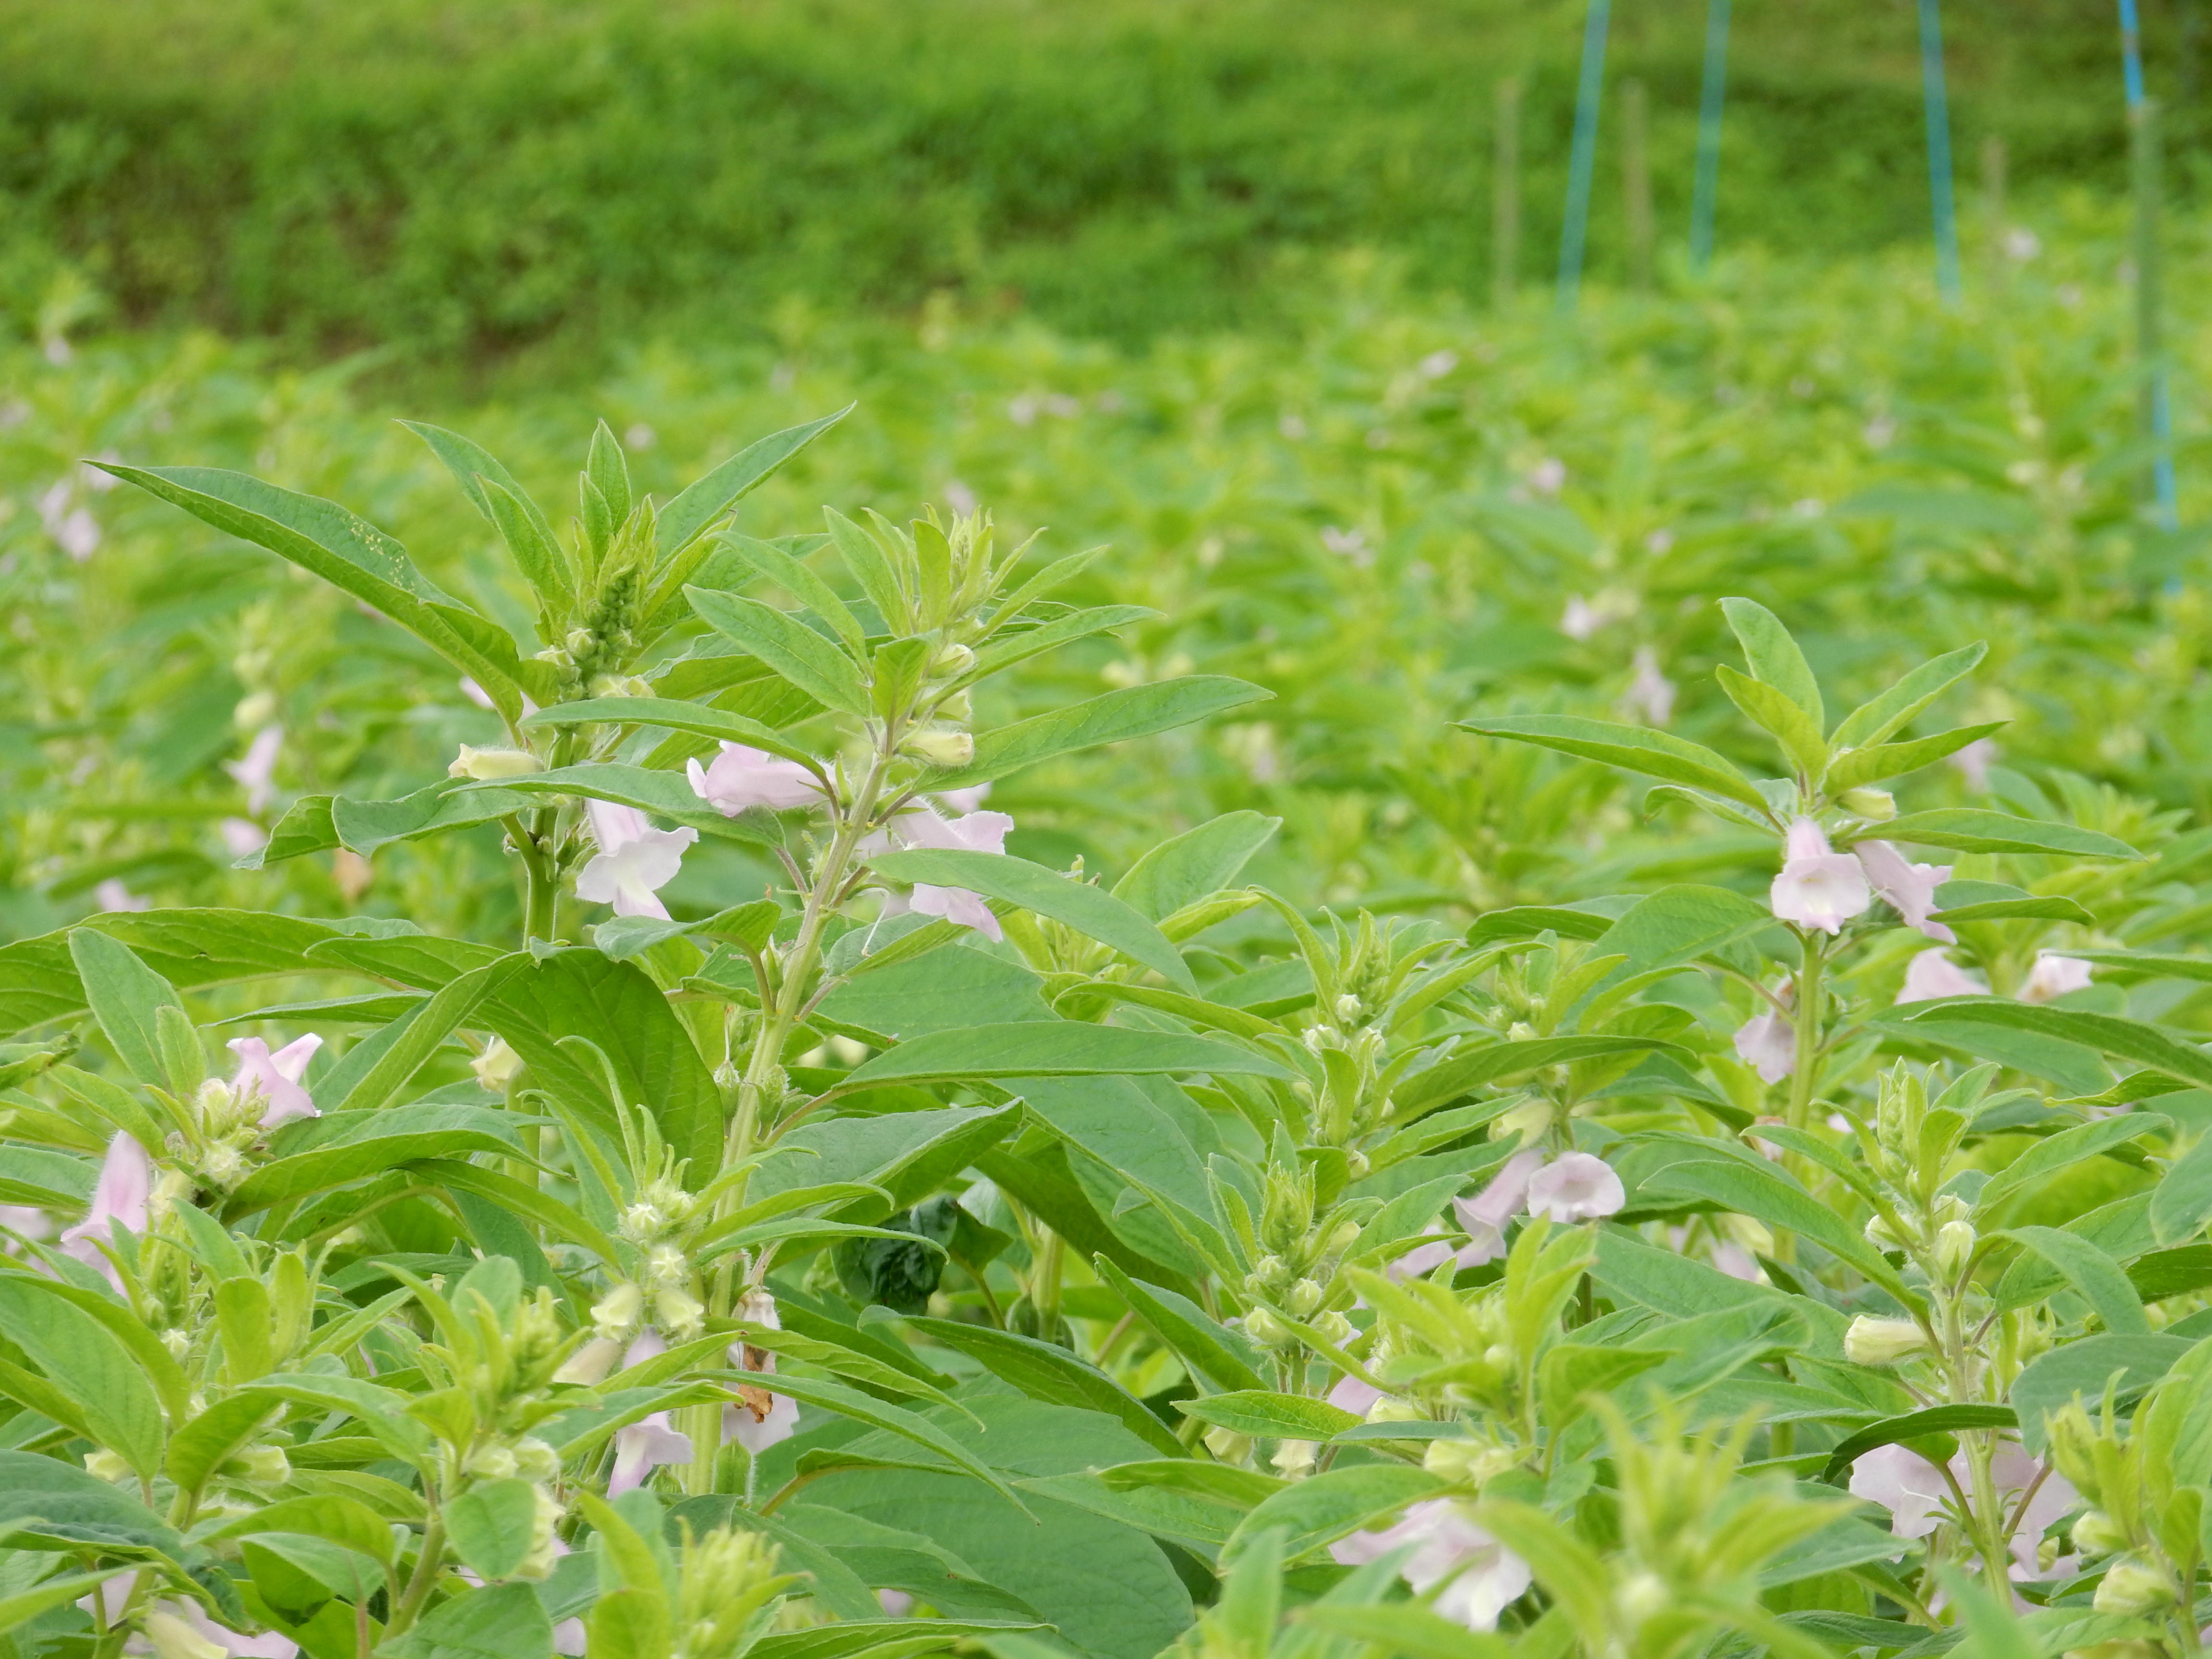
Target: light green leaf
[(204, 1443), (1861, 767), (1194, 865), (894, 1419), (795, 651), (1973, 829), (1046, 1371), (1055, 1048), (1325, 1507), (1266, 1414), (489, 1525), (2062, 1149), (85, 1361), (691, 717), (1091, 911), (312, 1155), (708, 498), (665, 795), (125, 994), (2107, 1033), (2083, 1368), (1205, 1347), (2181, 1203), (1875, 720), (1776, 713), (802, 584), (1136, 711), (1937, 1420), (1773, 656), (2091, 1271), (1631, 748)]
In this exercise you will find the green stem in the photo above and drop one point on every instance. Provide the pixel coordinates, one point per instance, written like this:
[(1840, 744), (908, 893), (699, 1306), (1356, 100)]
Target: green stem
[(424, 1578)]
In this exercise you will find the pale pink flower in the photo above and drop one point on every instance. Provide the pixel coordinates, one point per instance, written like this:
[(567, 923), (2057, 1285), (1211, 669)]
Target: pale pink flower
[(634, 862), (964, 800), (113, 895), (2053, 977), (1350, 1395), (1973, 762), (740, 777), (1915, 1493), (1908, 889), (1818, 889), (1932, 974), (651, 1442), (175, 1625), (476, 695), (2015, 1472), (1548, 477), (1485, 1578), (74, 528), (570, 1638), (1650, 694), (740, 1424), (122, 1194), (1905, 1483), (26, 1220), (1483, 1217), (1767, 1042), (1420, 1258), (1581, 619), (895, 1603), (242, 836), (1732, 1259), (1576, 1186), (276, 1076), (256, 770), (923, 826)]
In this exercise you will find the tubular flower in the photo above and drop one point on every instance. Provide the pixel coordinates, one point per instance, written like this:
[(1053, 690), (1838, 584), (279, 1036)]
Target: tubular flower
[(635, 860), (1908, 889), (2053, 977), (1484, 1216), (974, 832), (256, 770), (1917, 1494), (651, 1442), (276, 1076), (1767, 1042), (123, 1194), (1818, 889), (761, 1417), (1576, 1186), (1485, 1578), (1932, 974), (740, 777)]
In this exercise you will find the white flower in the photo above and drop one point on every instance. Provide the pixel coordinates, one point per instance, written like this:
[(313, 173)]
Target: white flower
[(1484, 1576), (1973, 762), (1907, 889), (123, 1194), (1581, 619), (1650, 694), (1818, 889), (634, 862), (1732, 1259), (652, 1441), (1419, 1261), (2053, 977), (1932, 974), (740, 777), (964, 800), (276, 1076), (113, 895), (975, 832), (570, 1638), (1905, 1483), (256, 770), (1548, 477), (1350, 1395), (1916, 1495), (1767, 1042), (1576, 1186), (1483, 1217), (497, 1066), (242, 836)]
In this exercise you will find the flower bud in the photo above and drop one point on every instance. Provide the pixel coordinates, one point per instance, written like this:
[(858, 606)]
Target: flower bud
[(2096, 1532), (1879, 1234), (1874, 805), (1334, 1328), (1305, 1296), (613, 1313), (1640, 1597), (2132, 1585), (172, 1638), (262, 1466), (1342, 1238), (1954, 1247), (1872, 1341), (681, 1314), (1228, 1445), (951, 661), (1388, 1408), (534, 1460), (1263, 1327), (958, 706), (589, 1365), (492, 761), (105, 1465), (497, 1066), (941, 746), (1294, 1458), (1348, 1009), (492, 1462)]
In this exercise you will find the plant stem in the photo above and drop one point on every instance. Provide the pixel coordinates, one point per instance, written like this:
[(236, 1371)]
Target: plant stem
[(424, 1576), (1804, 1078)]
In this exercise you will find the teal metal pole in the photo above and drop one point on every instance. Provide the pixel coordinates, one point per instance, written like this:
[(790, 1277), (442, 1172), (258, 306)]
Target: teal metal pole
[(2157, 397), (1945, 208), (1574, 234), (1711, 94)]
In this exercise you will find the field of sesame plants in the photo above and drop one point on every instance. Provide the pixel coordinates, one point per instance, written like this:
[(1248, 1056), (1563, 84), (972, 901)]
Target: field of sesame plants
[(1454, 983)]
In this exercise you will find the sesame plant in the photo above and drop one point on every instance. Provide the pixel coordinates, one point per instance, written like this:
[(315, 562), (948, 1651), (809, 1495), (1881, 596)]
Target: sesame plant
[(793, 1205)]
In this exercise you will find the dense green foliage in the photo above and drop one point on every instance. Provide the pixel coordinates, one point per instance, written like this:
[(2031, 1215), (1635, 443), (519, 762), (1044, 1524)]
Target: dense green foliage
[(490, 176)]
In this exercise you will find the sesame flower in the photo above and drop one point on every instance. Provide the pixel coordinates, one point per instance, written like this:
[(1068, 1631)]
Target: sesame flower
[(634, 862), (1480, 1576), (1818, 889), (1576, 1186), (1932, 974), (276, 1076), (1908, 889), (740, 777)]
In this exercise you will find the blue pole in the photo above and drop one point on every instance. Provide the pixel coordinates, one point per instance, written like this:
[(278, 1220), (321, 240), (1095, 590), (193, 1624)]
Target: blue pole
[(1574, 233), (1939, 152), (1710, 95), (2157, 392)]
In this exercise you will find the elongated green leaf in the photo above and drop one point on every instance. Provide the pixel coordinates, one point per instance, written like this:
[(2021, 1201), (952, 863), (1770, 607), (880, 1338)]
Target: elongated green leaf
[(801, 583), (1631, 748), (1774, 711), (1324, 1507), (665, 795), (1200, 1344), (2107, 1033), (1973, 829), (1894, 760), (1406, 1628), (676, 716), (1993, 900), (1194, 865), (2091, 1271), (494, 492), (2182, 1202), (708, 498), (1044, 1370), (2150, 963), (1055, 1048), (314, 1154), (1462, 1073), (1266, 1414), (871, 569), (1768, 1194), (909, 1425), (125, 994), (1136, 711), (793, 650), (2058, 1151), (202, 1446), (364, 826), (350, 554), (19, 1609), (1773, 657), (144, 1343), (1089, 910), (2083, 1369), (1875, 720), (1913, 1426), (1011, 648), (427, 1028), (1199, 1011), (84, 1361)]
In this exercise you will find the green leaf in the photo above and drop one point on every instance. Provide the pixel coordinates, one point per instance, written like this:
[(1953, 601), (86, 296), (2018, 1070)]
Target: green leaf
[(1861, 767), (793, 650), (1136, 711), (341, 1521), (1774, 712), (2181, 1203), (1009, 648), (871, 569), (1875, 719), (2082, 1369), (506, 1621), (494, 492), (665, 795), (2150, 963), (1406, 1628), (1680, 925), (1091, 911), (201, 1446), (2107, 1033), (1195, 865), (489, 1525), (1046, 1371), (312, 1155), (1973, 829), (860, 1636), (126, 994), (350, 554), (708, 498), (20, 1608), (1055, 1048), (1631, 748), (1325, 1507), (802, 584), (1773, 657), (691, 717), (363, 826), (1994, 901), (2091, 1271), (88, 1364), (1266, 1414), (73, 1505), (1750, 1186), (2062, 1149), (422, 1030), (1462, 1073), (39, 979), (1204, 1346), (893, 1419)]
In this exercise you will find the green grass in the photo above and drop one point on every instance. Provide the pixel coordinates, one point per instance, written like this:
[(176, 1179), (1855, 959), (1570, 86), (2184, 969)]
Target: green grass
[(494, 181)]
